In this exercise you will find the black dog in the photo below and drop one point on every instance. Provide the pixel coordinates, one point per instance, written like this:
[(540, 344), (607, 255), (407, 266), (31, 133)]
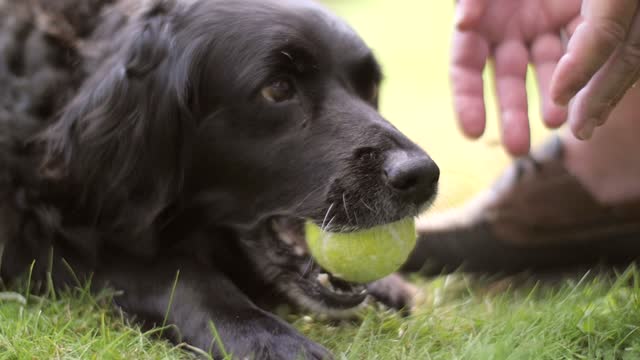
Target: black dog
[(173, 150)]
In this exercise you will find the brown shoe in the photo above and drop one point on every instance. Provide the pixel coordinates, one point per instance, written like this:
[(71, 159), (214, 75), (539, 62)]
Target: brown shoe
[(536, 217)]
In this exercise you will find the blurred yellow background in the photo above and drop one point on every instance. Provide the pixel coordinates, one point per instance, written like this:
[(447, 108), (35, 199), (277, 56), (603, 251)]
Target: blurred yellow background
[(411, 39)]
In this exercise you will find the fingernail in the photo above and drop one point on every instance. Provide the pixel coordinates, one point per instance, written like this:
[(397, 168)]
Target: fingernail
[(463, 18), (459, 18), (586, 131), (605, 115), (562, 100)]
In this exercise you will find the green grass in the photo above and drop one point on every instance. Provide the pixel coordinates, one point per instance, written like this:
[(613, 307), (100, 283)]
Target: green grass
[(597, 319), (592, 317), (458, 318), (74, 325)]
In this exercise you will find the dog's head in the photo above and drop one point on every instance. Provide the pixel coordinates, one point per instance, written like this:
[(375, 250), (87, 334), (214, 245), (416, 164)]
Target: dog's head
[(253, 109), (294, 116)]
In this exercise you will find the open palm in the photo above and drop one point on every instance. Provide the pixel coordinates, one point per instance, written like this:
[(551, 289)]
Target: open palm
[(513, 33)]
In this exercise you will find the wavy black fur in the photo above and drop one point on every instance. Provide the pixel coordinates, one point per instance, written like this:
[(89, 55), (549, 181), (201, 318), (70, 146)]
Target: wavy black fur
[(136, 142)]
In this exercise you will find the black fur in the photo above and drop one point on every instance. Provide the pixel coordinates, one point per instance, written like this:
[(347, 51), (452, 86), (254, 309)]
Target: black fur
[(137, 146)]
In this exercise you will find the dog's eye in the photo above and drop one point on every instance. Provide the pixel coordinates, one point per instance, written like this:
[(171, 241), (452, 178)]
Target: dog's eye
[(278, 91)]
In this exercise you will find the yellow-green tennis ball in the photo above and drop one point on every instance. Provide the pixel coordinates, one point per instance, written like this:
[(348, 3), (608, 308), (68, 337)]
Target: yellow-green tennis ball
[(362, 256)]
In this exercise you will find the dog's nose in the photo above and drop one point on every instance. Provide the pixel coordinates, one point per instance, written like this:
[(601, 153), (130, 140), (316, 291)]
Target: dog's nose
[(415, 176)]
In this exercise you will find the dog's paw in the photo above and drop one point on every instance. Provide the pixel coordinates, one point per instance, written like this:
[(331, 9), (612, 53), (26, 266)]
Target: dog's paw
[(288, 346), (269, 338), (394, 292)]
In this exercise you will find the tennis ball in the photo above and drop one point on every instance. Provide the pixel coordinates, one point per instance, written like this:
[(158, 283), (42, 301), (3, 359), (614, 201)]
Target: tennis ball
[(362, 256)]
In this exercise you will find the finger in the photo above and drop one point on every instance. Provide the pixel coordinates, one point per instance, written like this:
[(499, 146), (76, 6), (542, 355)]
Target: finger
[(562, 12), (604, 28), (546, 50), (573, 25), (511, 60), (469, 56), (469, 13), (596, 101)]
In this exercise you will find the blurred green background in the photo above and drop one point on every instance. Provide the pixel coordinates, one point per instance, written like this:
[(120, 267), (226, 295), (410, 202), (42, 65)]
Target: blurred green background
[(411, 39)]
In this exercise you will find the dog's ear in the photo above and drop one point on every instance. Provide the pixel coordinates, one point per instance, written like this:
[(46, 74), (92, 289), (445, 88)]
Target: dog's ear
[(150, 47), (123, 136)]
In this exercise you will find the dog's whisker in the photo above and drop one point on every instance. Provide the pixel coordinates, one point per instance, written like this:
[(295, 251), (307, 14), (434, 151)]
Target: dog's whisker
[(368, 207), (344, 204), (307, 268), (312, 192), (326, 216), (328, 224)]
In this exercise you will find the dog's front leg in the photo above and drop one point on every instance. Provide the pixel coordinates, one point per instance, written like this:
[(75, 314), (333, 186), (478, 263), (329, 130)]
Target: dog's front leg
[(198, 302)]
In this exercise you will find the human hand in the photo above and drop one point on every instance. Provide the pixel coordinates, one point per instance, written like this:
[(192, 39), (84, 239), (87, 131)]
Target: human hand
[(513, 33), (602, 62)]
